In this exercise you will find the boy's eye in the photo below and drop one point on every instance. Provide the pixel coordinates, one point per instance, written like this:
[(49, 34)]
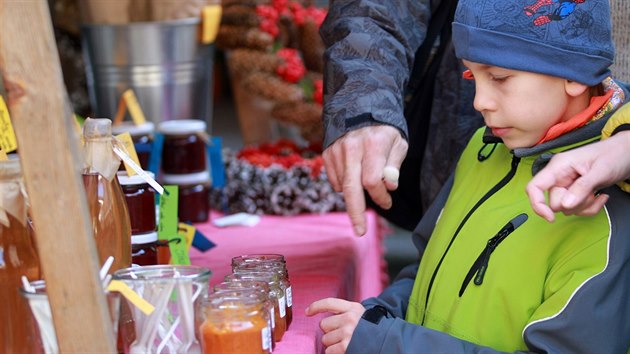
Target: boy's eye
[(498, 78)]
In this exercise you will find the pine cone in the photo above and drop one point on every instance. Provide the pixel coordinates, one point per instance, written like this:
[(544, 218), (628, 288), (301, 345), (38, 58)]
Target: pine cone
[(240, 15), (312, 132), (244, 60), (299, 113), (312, 47), (271, 87), (231, 37)]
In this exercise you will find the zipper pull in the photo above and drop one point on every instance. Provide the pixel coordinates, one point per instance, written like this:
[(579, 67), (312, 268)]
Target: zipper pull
[(480, 266)]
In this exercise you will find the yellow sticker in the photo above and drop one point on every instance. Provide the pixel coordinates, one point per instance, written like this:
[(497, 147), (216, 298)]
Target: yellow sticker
[(134, 107), (130, 149), (132, 296), (211, 19), (8, 142), (188, 231), (3, 155)]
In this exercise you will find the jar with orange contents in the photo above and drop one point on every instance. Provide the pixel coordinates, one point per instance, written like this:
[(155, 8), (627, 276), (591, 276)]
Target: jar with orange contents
[(232, 324), (276, 292), (272, 263)]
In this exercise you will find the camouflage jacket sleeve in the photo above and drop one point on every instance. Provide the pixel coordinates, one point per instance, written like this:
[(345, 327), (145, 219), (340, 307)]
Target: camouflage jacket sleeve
[(370, 46)]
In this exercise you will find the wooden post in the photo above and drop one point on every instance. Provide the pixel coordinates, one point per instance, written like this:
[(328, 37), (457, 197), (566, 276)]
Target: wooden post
[(48, 149)]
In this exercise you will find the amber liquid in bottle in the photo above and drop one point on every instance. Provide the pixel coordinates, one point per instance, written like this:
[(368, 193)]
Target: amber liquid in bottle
[(18, 256), (110, 219)]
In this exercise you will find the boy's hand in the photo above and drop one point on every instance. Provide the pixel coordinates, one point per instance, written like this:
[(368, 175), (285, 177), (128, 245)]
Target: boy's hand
[(339, 327)]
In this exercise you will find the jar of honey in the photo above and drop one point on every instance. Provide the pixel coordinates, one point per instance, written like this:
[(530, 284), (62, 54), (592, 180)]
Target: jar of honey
[(142, 136), (18, 257), (194, 195), (144, 249), (140, 198), (184, 149), (233, 324)]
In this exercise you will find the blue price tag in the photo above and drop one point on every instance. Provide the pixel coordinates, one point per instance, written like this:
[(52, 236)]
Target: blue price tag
[(155, 158), (217, 168)]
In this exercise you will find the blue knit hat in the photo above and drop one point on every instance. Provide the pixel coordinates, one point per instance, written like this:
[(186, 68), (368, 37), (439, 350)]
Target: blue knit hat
[(570, 39)]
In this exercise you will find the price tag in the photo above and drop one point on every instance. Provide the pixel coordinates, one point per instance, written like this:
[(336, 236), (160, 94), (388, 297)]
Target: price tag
[(167, 228), (125, 139), (217, 167), (134, 107), (3, 155), (211, 19), (188, 232), (8, 142)]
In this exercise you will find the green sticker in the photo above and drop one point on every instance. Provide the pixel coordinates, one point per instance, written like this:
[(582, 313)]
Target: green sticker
[(167, 228)]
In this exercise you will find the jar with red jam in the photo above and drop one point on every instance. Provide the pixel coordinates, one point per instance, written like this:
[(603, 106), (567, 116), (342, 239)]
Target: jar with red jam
[(144, 249), (184, 149), (194, 195), (140, 198), (142, 136)]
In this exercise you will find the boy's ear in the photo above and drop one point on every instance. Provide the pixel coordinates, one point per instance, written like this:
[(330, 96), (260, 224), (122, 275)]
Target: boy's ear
[(574, 88)]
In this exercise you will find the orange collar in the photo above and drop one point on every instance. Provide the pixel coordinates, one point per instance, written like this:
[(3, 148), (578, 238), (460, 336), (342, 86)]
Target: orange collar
[(579, 119)]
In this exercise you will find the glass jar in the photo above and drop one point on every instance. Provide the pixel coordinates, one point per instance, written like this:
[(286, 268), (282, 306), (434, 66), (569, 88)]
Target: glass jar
[(234, 324), (144, 249), (268, 262), (106, 201), (276, 292), (194, 195), (142, 136), (175, 292), (184, 149), (140, 198), (256, 287), (18, 257)]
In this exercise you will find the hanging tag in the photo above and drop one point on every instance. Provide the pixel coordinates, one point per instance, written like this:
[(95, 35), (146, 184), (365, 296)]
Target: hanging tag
[(145, 176), (3, 156), (167, 228), (155, 158), (188, 231), (120, 112), (8, 141), (132, 296), (217, 167), (125, 138), (211, 19), (134, 107)]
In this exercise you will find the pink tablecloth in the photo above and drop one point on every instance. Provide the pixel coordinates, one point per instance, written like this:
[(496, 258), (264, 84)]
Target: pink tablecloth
[(324, 259)]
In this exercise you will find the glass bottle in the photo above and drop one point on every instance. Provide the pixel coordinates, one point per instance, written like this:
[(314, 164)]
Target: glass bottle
[(18, 257), (107, 206)]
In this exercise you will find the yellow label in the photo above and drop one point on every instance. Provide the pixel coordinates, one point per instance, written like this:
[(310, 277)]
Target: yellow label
[(211, 19), (3, 155), (134, 107), (125, 138), (120, 113), (132, 296), (188, 231), (8, 142)]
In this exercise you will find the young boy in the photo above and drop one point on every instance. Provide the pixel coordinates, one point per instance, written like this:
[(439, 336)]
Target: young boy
[(493, 276)]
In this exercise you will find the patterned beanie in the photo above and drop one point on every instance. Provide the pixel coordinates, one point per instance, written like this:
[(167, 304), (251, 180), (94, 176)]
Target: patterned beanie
[(570, 39)]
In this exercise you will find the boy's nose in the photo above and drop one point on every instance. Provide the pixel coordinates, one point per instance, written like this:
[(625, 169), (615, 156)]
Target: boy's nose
[(483, 100)]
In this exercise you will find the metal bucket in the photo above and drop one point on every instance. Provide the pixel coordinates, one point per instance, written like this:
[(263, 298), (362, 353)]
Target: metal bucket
[(165, 64)]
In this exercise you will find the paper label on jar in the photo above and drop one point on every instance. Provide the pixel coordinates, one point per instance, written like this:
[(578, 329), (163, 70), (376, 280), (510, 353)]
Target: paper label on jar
[(266, 338), (282, 306), (289, 297), (273, 317), (8, 141)]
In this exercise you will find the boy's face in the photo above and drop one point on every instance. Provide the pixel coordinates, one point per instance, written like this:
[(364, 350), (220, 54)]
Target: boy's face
[(518, 106)]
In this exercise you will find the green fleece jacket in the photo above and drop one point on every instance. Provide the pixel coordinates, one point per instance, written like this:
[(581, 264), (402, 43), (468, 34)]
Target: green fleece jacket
[(496, 277)]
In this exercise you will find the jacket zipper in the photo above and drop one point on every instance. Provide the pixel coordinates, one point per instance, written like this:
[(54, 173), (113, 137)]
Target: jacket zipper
[(507, 178), (480, 266)]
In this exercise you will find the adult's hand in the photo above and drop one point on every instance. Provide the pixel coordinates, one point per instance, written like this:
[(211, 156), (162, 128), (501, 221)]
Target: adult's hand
[(573, 178), (356, 161), (339, 327)]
